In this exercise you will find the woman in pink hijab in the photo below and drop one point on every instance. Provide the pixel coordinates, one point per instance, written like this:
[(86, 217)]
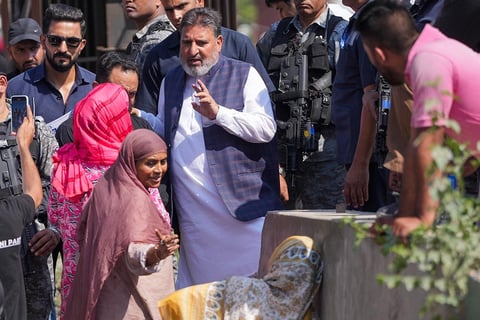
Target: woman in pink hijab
[(126, 244), (101, 122)]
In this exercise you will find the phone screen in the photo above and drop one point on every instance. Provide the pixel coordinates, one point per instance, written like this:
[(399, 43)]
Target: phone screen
[(19, 111)]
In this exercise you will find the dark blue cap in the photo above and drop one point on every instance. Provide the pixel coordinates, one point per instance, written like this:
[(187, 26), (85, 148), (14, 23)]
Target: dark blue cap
[(24, 29)]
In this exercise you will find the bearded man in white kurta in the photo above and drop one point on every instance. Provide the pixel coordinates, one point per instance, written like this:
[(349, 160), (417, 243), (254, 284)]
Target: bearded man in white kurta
[(224, 168)]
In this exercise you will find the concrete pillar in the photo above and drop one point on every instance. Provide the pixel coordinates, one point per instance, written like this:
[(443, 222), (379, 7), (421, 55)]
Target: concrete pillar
[(472, 305)]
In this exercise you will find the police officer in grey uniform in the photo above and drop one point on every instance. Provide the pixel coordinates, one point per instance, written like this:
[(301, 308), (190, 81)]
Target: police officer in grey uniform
[(300, 57)]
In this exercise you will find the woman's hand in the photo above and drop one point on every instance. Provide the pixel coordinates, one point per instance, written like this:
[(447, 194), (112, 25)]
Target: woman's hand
[(166, 246)]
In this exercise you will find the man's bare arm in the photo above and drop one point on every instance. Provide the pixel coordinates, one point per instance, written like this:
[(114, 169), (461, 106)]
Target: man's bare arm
[(416, 205), (356, 181)]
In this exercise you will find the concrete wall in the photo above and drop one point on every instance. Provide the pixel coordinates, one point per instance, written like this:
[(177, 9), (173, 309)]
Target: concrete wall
[(472, 305), (349, 289)]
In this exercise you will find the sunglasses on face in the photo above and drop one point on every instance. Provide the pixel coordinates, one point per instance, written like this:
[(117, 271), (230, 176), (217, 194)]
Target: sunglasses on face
[(72, 42)]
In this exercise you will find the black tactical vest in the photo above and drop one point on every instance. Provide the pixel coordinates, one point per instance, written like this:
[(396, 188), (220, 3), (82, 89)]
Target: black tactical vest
[(284, 66), (10, 171)]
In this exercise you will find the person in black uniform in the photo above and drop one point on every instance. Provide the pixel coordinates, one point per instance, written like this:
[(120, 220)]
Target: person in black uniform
[(15, 213)]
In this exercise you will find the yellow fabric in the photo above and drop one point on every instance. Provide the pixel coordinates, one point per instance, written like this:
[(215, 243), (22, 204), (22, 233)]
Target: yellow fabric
[(286, 291), (185, 303)]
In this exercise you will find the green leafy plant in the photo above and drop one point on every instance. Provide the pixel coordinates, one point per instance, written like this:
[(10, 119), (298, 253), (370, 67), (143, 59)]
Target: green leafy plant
[(446, 252), (247, 11)]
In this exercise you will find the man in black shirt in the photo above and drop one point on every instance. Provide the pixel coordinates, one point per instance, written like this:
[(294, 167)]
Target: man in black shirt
[(15, 213), (24, 45)]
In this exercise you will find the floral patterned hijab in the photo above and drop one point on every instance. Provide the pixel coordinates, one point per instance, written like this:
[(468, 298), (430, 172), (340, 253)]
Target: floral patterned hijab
[(286, 291)]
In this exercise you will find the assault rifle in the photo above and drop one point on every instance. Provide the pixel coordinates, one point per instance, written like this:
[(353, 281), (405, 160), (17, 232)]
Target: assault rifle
[(383, 110), (10, 181), (308, 106)]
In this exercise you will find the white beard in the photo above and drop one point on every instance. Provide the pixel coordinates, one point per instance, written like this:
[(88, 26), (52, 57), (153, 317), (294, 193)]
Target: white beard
[(202, 70)]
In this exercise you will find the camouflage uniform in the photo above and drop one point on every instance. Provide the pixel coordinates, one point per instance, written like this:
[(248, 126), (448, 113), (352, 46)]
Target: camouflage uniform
[(149, 36), (40, 287), (37, 277), (38, 271)]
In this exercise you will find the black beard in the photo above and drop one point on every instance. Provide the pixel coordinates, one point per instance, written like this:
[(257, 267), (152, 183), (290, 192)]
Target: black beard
[(61, 67)]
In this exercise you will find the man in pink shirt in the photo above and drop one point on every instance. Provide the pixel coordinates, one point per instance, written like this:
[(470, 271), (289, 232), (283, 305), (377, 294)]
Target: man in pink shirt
[(444, 76)]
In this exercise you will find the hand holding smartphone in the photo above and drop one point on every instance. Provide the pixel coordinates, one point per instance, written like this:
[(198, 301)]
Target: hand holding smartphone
[(19, 111)]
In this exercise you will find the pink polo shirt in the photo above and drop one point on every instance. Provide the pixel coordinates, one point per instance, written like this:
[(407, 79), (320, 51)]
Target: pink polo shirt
[(444, 75)]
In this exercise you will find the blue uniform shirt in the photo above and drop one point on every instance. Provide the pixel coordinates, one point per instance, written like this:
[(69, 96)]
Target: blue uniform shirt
[(48, 100), (354, 72)]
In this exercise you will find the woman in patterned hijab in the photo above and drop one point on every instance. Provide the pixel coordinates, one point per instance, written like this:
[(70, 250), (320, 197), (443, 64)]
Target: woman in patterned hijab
[(101, 122), (285, 292)]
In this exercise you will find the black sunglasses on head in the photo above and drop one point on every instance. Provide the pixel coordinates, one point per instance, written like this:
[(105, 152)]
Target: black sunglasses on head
[(72, 42)]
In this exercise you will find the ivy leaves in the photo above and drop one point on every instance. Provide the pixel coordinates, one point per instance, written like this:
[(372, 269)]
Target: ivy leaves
[(446, 252)]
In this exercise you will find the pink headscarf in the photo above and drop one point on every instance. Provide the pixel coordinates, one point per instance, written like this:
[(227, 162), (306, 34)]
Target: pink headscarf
[(118, 212), (100, 123)]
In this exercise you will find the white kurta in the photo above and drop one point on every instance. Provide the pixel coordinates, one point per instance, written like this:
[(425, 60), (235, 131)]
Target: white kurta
[(214, 245)]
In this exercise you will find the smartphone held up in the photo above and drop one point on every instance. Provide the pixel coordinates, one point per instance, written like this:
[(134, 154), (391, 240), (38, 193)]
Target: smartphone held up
[(19, 105)]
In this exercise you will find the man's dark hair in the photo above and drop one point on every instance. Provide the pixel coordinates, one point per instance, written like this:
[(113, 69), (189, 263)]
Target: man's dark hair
[(270, 2), (387, 24), (63, 12), (204, 17), (109, 60)]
